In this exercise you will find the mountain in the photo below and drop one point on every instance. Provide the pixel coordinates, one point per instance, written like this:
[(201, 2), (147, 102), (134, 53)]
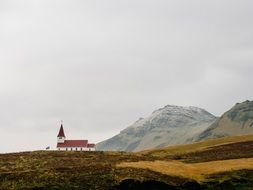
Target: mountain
[(237, 121), (166, 126)]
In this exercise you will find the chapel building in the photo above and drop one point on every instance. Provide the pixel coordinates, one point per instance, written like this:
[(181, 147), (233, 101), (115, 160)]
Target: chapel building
[(72, 145)]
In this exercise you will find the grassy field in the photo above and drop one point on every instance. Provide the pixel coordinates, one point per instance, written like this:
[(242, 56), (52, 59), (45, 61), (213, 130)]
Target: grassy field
[(215, 164), (195, 171), (172, 151)]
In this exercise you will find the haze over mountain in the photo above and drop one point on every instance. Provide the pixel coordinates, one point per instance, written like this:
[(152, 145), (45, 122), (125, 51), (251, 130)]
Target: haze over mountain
[(166, 126), (181, 125), (237, 121), (100, 65)]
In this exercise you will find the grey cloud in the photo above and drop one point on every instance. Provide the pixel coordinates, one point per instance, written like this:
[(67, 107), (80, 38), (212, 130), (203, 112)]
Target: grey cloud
[(100, 65)]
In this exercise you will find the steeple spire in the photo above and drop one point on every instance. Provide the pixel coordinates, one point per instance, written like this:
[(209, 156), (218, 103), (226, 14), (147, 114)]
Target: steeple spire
[(61, 132)]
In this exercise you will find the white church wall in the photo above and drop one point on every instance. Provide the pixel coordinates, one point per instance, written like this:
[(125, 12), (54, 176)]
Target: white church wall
[(60, 139), (75, 149)]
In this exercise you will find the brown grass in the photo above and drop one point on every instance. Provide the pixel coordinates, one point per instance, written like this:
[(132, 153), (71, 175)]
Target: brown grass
[(196, 171), (183, 149), (103, 170), (221, 152)]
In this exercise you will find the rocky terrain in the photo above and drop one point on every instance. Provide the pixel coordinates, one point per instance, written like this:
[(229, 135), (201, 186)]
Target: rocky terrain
[(174, 125), (166, 126), (237, 121)]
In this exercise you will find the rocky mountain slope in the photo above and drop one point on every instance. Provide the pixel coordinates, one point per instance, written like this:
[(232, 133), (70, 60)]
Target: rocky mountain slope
[(237, 121), (166, 126)]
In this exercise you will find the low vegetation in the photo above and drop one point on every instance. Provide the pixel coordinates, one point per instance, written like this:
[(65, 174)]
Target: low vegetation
[(176, 152), (195, 171), (216, 164)]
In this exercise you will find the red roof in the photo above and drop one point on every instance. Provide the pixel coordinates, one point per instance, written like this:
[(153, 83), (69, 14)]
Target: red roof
[(73, 143), (61, 132), (91, 146)]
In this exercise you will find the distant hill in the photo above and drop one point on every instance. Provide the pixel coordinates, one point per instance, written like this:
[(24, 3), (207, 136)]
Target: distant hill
[(237, 121), (166, 126)]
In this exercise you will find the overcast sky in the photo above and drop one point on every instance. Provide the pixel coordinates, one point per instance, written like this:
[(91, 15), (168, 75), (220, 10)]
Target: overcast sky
[(100, 65)]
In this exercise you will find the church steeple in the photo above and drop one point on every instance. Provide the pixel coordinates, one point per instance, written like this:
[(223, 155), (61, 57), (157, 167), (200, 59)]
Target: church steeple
[(61, 132), (61, 136)]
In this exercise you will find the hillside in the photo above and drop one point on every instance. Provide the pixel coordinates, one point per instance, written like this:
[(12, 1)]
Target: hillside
[(225, 163), (214, 149), (237, 121), (166, 126)]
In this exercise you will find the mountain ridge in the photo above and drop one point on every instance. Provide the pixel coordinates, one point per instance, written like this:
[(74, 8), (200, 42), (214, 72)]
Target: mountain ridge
[(161, 128), (236, 121), (173, 125)]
